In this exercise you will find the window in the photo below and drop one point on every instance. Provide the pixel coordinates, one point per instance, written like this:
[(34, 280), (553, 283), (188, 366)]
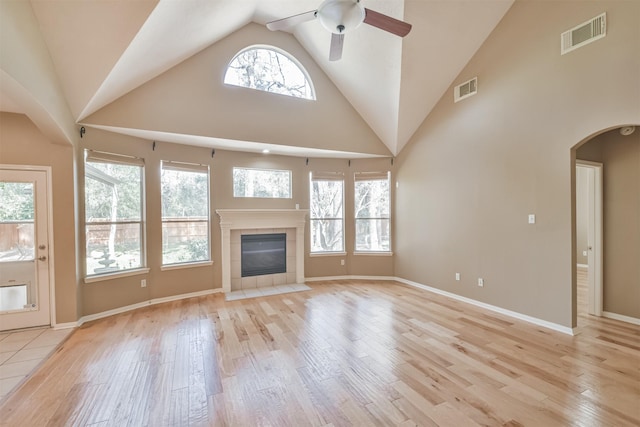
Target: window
[(185, 213), (265, 183), (271, 70), (372, 212), (114, 191), (17, 221), (327, 212)]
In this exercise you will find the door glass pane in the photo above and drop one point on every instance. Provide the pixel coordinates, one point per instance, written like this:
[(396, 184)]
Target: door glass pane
[(17, 246), (16, 221)]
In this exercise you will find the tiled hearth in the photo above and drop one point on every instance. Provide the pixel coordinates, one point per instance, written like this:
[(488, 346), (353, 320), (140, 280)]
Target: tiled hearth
[(236, 222)]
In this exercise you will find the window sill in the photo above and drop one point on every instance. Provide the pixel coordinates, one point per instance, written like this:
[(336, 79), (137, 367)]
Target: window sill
[(186, 265), (117, 275), (321, 254), (373, 253)]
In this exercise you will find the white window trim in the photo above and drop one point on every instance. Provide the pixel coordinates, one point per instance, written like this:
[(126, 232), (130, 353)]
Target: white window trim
[(370, 176), (116, 275), (189, 167), (321, 254), (374, 253), (105, 157), (184, 265), (328, 176)]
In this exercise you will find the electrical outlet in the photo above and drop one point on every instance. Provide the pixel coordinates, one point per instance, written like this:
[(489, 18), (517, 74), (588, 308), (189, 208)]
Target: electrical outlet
[(341, 262), (143, 283), (480, 281), (584, 253), (532, 218), (458, 276)]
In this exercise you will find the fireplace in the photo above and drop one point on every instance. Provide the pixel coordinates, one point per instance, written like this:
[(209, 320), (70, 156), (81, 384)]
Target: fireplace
[(263, 254), (235, 223)]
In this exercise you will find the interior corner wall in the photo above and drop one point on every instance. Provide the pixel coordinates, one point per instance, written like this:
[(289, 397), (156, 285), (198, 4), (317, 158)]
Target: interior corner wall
[(120, 292), (476, 169), (21, 143), (620, 157), (191, 98)]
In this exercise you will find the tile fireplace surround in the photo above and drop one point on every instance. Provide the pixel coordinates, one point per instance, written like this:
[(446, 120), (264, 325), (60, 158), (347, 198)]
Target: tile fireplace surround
[(252, 221)]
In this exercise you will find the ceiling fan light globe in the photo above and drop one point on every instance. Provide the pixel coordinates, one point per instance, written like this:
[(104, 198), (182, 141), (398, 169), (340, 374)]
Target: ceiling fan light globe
[(335, 13)]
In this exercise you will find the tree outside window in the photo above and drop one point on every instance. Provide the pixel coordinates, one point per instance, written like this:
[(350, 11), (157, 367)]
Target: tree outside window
[(271, 70), (372, 212), (113, 213), (264, 183), (327, 213), (185, 213)]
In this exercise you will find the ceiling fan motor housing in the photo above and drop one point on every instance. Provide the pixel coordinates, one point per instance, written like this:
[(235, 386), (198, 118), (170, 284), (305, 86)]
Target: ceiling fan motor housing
[(341, 16)]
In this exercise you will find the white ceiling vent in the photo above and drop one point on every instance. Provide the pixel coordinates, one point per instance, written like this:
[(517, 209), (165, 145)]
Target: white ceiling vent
[(583, 34), (465, 89)]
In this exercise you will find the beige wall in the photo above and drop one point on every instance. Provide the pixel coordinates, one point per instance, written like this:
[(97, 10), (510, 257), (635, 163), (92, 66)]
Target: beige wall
[(620, 156), (192, 99), (21, 143), (109, 294), (475, 170)]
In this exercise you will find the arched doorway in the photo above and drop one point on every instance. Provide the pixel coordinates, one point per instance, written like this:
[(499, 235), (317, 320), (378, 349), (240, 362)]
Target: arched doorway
[(608, 257)]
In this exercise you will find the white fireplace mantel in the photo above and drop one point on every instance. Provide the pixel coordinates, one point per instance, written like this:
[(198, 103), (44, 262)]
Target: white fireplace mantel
[(244, 219)]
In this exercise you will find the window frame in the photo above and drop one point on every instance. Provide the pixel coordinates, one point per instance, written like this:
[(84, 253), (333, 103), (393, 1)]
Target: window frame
[(277, 51), (94, 156), (326, 177), (371, 176), (193, 168), (233, 183)]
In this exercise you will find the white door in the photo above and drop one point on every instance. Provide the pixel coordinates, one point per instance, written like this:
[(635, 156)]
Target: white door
[(24, 249)]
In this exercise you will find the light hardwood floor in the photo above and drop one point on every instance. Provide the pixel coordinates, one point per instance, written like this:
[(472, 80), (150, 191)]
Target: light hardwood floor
[(344, 353)]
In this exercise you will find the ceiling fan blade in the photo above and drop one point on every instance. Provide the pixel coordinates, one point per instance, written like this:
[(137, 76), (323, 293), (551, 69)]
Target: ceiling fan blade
[(285, 23), (387, 23), (335, 52)]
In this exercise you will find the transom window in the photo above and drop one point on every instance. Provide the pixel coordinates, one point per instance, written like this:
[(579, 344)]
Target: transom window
[(264, 183), (271, 70)]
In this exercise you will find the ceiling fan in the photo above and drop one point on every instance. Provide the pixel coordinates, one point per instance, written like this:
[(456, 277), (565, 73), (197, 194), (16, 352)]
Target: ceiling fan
[(340, 16)]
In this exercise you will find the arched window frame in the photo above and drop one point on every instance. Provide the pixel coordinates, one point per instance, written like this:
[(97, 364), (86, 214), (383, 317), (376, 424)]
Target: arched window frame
[(278, 51)]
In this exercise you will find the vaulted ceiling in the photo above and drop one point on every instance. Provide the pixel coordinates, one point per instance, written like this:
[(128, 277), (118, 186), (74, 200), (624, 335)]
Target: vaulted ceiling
[(103, 49)]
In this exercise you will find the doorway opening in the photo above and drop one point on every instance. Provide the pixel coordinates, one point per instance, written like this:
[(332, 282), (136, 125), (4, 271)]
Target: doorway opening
[(589, 248)]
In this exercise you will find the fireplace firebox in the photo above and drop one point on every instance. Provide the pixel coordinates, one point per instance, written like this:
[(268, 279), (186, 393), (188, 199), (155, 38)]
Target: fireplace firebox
[(263, 254)]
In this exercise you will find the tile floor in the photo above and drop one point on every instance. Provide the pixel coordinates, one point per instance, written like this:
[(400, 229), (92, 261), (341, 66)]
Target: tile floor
[(21, 352), (268, 290)]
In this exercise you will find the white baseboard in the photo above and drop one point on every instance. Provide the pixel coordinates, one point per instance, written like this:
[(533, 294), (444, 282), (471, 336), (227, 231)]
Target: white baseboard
[(514, 314), (124, 309), (621, 317), (328, 278), (66, 325)]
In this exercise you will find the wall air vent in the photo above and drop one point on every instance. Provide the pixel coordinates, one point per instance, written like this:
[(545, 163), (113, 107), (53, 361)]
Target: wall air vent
[(583, 34), (465, 89)]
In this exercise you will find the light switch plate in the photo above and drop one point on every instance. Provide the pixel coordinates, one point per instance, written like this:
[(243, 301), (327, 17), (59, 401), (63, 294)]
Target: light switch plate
[(532, 218)]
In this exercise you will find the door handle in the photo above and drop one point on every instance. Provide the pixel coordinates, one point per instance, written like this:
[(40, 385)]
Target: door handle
[(42, 258)]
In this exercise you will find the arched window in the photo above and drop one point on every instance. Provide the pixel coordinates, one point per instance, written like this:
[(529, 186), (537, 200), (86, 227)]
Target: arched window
[(271, 70)]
